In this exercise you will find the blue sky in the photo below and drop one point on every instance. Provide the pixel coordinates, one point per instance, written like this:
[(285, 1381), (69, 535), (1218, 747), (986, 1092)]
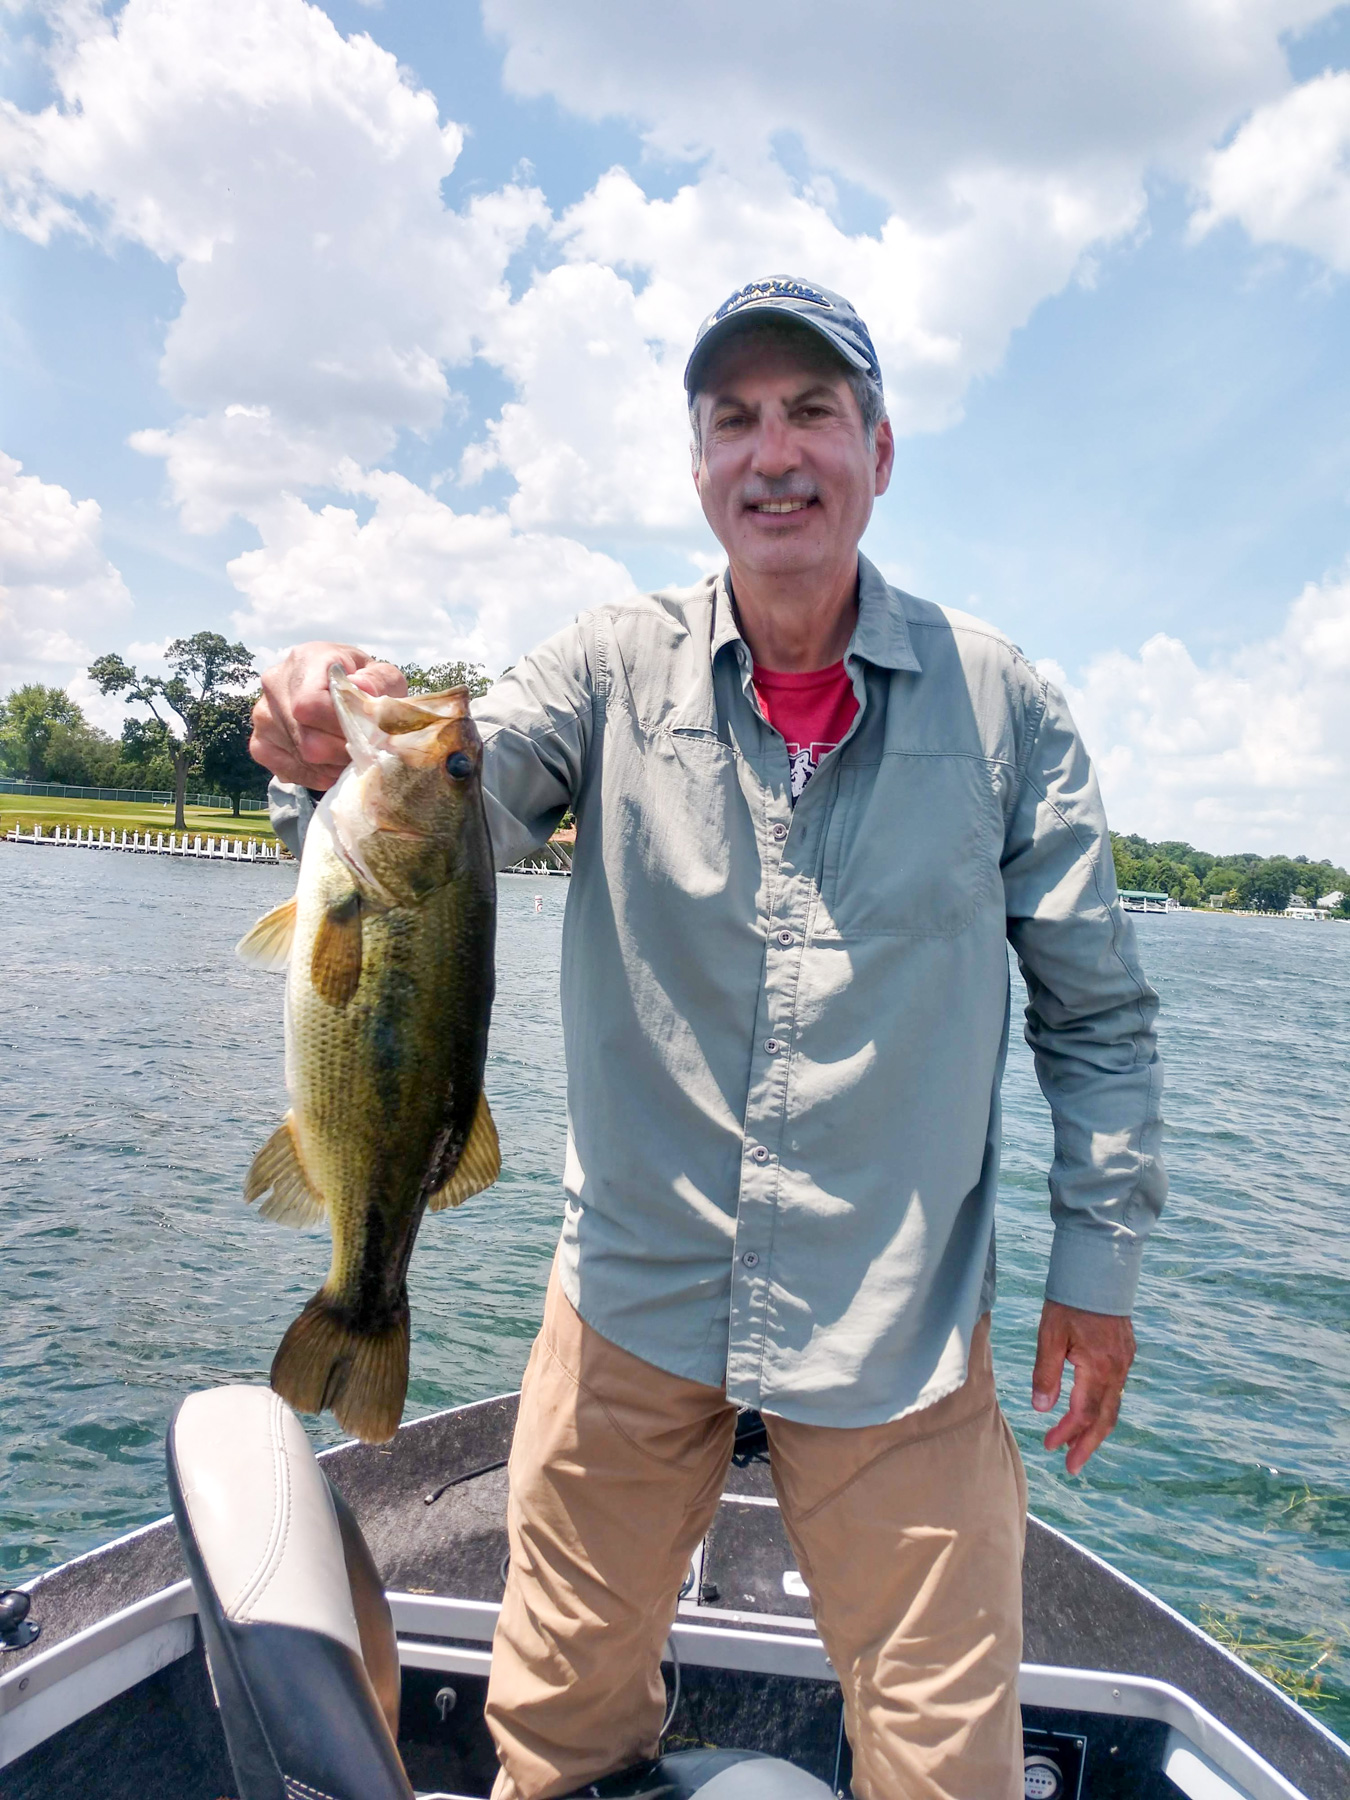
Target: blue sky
[(368, 323)]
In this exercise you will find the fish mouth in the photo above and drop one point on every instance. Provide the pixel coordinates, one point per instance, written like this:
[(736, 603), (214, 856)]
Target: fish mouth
[(420, 729)]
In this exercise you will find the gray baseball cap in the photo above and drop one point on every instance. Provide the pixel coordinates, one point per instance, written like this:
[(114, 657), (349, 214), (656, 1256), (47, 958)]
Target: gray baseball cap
[(783, 296)]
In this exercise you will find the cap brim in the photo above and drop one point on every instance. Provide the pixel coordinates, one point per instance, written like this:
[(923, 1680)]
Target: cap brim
[(717, 335)]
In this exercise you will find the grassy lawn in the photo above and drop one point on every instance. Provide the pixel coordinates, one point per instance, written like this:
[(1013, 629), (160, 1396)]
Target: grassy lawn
[(126, 815)]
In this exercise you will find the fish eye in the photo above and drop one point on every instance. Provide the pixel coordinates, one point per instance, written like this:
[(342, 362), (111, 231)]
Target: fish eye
[(458, 764)]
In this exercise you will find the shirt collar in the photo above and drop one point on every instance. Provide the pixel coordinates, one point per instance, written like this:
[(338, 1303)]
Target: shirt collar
[(881, 635)]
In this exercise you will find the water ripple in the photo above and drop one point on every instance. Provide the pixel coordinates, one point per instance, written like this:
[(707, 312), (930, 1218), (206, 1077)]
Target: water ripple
[(140, 1068)]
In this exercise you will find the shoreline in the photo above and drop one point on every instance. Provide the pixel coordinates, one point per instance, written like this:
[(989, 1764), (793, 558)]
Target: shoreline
[(250, 851)]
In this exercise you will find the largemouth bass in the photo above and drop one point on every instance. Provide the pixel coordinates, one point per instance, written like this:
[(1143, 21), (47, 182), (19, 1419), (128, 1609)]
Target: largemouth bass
[(388, 948)]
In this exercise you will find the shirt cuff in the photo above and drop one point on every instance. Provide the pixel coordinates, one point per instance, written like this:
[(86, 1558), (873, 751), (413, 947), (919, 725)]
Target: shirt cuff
[(291, 808), (1094, 1271)]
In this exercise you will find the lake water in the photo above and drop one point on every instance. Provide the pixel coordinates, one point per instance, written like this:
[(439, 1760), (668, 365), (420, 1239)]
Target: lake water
[(140, 1068)]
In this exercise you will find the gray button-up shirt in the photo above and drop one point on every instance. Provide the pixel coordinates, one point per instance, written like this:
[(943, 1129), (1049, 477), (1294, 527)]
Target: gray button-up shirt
[(786, 1026)]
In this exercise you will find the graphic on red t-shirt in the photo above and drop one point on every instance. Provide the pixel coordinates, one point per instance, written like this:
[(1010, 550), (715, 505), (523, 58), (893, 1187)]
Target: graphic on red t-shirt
[(812, 712)]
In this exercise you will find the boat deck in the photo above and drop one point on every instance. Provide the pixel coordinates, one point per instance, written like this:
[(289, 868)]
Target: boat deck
[(443, 1559)]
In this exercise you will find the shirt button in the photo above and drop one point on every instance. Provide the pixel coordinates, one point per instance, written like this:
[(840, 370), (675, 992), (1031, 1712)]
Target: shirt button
[(750, 1259), (784, 938), (759, 1153), (773, 1045), (779, 833)]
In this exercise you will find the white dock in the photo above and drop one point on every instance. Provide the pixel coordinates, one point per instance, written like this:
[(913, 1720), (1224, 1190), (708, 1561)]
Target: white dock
[(156, 843)]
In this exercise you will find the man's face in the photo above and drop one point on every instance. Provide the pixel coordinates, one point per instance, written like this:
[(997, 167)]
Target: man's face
[(787, 477)]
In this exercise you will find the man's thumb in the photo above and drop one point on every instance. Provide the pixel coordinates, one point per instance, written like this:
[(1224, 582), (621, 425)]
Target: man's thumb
[(1051, 1344)]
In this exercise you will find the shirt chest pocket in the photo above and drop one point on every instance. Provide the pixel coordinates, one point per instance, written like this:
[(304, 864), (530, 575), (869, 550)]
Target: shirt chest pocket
[(912, 848), (680, 800)]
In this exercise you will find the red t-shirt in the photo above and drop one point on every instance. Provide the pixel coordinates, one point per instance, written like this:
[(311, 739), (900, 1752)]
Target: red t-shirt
[(812, 712)]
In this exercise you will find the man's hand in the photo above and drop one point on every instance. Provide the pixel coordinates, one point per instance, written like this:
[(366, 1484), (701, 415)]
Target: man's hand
[(295, 726), (1101, 1348)]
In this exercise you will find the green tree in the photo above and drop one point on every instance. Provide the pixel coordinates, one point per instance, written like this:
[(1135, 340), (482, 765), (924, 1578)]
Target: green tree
[(439, 676), (148, 752), (80, 755), (227, 767), (1267, 888), (27, 720), (1223, 878), (206, 667)]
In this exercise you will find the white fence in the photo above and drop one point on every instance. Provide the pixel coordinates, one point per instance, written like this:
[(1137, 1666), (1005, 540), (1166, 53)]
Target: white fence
[(156, 843)]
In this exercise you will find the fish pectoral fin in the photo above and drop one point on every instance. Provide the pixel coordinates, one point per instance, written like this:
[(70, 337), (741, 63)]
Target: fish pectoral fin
[(277, 1171), (268, 944), (335, 966), (479, 1165)]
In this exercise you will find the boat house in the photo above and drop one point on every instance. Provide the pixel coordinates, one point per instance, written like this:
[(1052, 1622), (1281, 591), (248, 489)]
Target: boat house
[(1143, 900)]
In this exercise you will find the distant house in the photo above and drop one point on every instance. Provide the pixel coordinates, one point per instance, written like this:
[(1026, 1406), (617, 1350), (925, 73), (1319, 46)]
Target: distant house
[(1298, 908), (1329, 902)]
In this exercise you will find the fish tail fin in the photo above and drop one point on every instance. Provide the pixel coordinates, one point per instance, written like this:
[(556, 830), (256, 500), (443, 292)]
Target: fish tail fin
[(361, 1376)]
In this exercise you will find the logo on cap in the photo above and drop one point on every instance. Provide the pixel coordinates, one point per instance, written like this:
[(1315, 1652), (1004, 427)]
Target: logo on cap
[(775, 288)]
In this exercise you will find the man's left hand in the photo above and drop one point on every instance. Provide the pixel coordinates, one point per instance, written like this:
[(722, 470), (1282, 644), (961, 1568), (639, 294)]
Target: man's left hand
[(1101, 1348)]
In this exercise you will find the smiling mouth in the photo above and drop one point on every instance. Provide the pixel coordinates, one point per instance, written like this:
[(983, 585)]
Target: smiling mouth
[(775, 508)]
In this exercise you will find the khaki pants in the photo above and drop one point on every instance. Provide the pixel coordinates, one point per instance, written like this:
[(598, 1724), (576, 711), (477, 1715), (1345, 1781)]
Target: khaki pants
[(909, 1537)]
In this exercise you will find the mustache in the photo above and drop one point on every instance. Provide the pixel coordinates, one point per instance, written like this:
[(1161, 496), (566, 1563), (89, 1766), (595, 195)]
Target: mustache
[(791, 487)]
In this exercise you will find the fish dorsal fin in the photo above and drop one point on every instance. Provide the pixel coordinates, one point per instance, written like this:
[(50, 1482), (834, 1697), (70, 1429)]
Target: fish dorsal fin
[(277, 1167), (267, 945), (479, 1165), (335, 965)]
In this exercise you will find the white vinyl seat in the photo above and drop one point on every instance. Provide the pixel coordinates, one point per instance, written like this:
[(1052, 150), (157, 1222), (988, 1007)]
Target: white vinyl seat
[(298, 1633)]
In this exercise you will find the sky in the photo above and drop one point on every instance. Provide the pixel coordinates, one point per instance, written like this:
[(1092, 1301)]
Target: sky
[(367, 322)]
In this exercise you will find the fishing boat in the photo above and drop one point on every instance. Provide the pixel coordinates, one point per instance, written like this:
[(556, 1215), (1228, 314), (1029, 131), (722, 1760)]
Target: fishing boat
[(320, 1628)]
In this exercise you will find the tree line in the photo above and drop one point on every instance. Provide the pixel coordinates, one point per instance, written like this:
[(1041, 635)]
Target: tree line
[(200, 719), (199, 724), (198, 729), (1246, 881)]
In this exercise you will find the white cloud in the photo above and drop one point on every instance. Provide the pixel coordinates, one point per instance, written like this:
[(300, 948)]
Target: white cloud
[(597, 439), (293, 177), (61, 600), (1286, 175), (1002, 149), (903, 98), (416, 579), (1249, 753)]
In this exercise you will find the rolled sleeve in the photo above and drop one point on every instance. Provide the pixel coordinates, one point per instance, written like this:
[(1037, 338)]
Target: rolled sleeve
[(1090, 1022)]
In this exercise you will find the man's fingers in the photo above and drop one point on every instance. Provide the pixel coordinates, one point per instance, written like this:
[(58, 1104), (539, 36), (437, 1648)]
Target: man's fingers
[(1101, 1348), (296, 733), (303, 693), (378, 678), (1092, 1439), (1100, 1415), (1085, 1405)]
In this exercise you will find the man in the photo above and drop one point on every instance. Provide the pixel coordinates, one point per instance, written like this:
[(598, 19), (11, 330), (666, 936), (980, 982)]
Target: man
[(811, 812)]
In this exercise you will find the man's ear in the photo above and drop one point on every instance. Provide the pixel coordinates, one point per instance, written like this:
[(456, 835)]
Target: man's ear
[(885, 456)]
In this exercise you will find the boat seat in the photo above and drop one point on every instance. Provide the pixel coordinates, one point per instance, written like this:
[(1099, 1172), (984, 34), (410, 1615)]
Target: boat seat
[(298, 1634), (710, 1775)]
